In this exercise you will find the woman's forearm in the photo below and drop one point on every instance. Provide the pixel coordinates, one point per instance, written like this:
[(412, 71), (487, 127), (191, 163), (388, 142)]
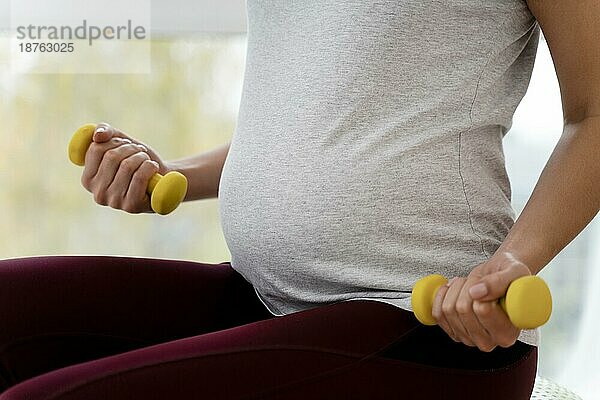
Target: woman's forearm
[(203, 172), (565, 199)]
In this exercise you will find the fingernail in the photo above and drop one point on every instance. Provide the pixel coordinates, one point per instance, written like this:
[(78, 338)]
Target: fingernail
[(450, 282), (478, 290), (155, 163), (101, 129)]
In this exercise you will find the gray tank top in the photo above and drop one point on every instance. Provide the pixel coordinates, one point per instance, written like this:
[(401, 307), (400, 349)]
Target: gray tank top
[(368, 147)]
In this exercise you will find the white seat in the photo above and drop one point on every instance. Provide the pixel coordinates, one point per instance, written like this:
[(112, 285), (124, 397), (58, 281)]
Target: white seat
[(546, 390)]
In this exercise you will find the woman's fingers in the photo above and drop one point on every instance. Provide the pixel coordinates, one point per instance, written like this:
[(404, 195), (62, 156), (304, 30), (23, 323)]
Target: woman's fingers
[(495, 283), (496, 322), (110, 164), (93, 158), (125, 172), (104, 132), (118, 169), (136, 198), (470, 305), (438, 313), (451, 313), (459, 319), (465, 311)]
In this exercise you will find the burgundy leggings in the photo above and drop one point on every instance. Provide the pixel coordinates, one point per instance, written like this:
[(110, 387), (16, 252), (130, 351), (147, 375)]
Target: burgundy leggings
[(100, 327)]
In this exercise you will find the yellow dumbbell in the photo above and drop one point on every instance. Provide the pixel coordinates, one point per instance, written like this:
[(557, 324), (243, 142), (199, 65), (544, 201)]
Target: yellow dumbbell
[(527, 301), (166, 192)]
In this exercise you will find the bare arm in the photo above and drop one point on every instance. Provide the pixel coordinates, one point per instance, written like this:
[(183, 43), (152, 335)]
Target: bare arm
[(567, 194), (203, 172), (564, 201)]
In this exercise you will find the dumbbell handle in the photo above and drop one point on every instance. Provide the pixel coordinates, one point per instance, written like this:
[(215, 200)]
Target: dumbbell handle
[(166, 192), (527, 302)]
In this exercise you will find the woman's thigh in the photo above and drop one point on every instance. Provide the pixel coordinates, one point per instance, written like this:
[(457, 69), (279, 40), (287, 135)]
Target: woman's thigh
[(337, 351), (61, 310)]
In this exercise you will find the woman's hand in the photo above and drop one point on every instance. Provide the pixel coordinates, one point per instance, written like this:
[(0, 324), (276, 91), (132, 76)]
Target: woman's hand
[(118, 168), (467, 308)]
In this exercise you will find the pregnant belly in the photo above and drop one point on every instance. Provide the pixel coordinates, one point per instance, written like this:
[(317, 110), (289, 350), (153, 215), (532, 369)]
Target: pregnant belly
[(330, 210)]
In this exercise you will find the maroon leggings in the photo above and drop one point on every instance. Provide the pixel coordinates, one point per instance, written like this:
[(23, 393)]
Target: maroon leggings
[(100, 327)]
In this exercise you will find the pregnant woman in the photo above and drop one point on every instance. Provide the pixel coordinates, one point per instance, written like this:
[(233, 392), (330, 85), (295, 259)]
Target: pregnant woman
[(367, 154)]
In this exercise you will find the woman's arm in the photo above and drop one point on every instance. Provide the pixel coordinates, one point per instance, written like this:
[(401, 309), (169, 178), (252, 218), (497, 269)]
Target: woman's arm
[(564, 201), (566, 197), (203, 172)]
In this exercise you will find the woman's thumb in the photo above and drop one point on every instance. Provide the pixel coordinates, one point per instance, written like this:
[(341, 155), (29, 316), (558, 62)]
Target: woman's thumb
[(494, 286), (103, 133)]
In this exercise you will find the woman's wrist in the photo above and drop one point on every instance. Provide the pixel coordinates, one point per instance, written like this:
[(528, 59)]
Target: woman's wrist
[(194, 171), (203, 172), (503, 257), (529, 251), (166, 167)]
